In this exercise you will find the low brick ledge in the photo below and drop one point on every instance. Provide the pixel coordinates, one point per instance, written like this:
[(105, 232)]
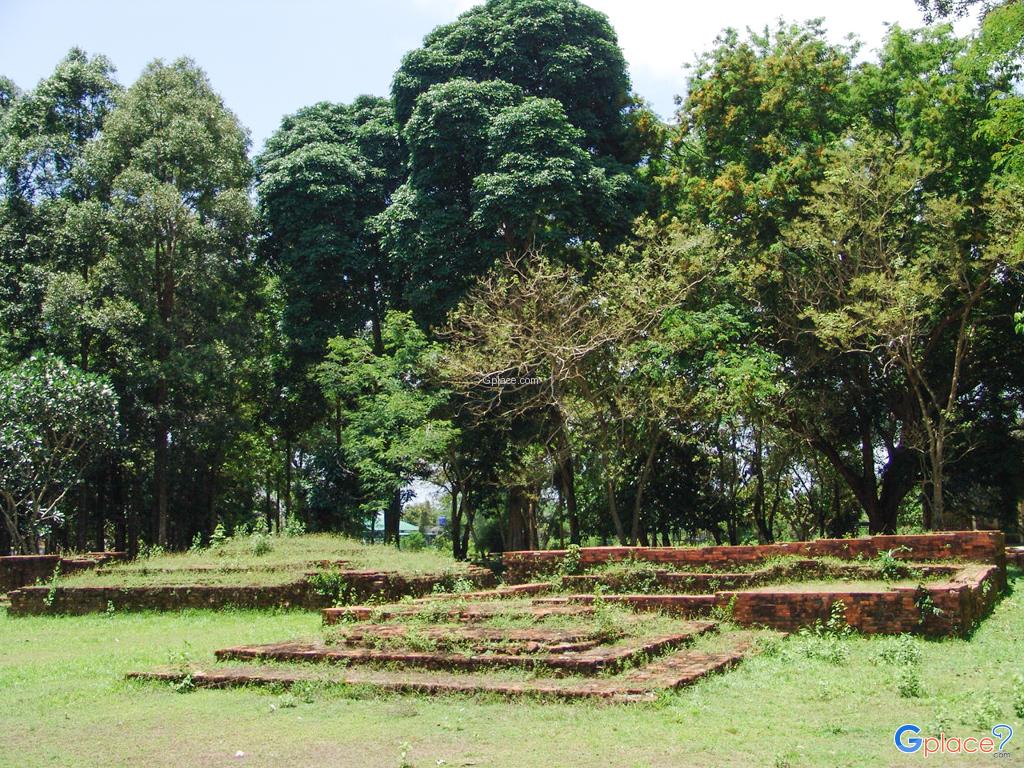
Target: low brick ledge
[(971, 546), (79, 600), (17, 571), (641, 684), (588, 662)]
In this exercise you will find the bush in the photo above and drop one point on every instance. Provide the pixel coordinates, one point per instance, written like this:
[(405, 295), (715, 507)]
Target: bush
[(890, 567), (572, 562), (330, 584), (260, 544), (294, 527), (908, 682), (414, 542)]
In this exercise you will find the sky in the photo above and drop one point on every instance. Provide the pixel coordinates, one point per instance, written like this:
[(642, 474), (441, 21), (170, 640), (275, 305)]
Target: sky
[(269, 58)]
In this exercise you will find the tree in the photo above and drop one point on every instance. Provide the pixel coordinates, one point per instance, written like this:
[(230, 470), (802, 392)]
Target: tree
[(54, 421), (389, 431), (535, 340), (757, 113), (50, 227), (172, 161), (516, 119), (882, 274), (325, 172)]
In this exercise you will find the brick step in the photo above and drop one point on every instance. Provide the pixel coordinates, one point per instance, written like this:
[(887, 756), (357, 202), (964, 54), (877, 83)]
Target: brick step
[(678, 605), (498, 593), (461, 613), (674, 671), (588, 662), (709, 583), (519, 641)]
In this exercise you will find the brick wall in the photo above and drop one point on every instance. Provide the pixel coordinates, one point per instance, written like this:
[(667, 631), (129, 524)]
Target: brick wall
[(1015, 556), (959, 603), (20, 570), (362, 585), (972, 546)]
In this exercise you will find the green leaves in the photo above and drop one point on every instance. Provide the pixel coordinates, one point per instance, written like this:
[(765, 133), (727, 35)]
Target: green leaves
[(54, 421), (390, 433), (520, 134), (324, 175)]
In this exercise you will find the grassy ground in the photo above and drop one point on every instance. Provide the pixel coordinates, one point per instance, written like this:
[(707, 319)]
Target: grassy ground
[(807, 702), (263, 560)]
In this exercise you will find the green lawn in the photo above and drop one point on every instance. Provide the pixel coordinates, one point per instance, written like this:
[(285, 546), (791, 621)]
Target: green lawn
[(810, 702)]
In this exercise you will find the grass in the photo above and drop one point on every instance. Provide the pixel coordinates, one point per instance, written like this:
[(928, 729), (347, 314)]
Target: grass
[(805, 701), (289, 557)]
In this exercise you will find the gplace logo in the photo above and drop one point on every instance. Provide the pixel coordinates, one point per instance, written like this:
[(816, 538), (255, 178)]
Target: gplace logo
[(908, 739)]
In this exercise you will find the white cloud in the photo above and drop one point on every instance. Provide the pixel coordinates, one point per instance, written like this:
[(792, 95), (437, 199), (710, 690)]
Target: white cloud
[(660, 36)]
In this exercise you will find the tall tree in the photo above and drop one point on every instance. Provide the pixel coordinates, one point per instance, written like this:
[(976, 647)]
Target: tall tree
[(881, 273), (326, 171), (50, 233), (172, 159), (517, 122)]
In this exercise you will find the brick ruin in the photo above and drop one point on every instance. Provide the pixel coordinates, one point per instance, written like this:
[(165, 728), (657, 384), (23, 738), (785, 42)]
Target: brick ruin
[(301, 593), (974, 562), (464, 643), (21, 570)]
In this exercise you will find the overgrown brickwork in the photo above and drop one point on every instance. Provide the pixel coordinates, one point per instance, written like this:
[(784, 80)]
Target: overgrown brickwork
[(21, 570), (359, 586), (968, 546)]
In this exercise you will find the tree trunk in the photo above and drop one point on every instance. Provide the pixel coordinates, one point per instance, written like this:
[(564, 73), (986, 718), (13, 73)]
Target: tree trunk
[(641, 485), (517, 512), (455, 526), (393, 519), (567, 472), (764, 530), (160, 462), (470, 514)]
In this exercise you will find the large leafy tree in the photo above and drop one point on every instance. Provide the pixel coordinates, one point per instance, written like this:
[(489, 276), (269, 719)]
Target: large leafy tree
[(326, 171), (757, 114), (751, 156), (517, 121), (172, 162), (881, 274), (50, 227)]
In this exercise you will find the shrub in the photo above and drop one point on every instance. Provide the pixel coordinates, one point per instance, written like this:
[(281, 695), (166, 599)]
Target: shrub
[(908, 682), (451, 583), (1018, 695), (891, 568), (330, 584), (901, 651), (294, 527), (572, 561), (260, 544), (219, 537), (414, 542), (51, 593), (986, 712), (925, 604)]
